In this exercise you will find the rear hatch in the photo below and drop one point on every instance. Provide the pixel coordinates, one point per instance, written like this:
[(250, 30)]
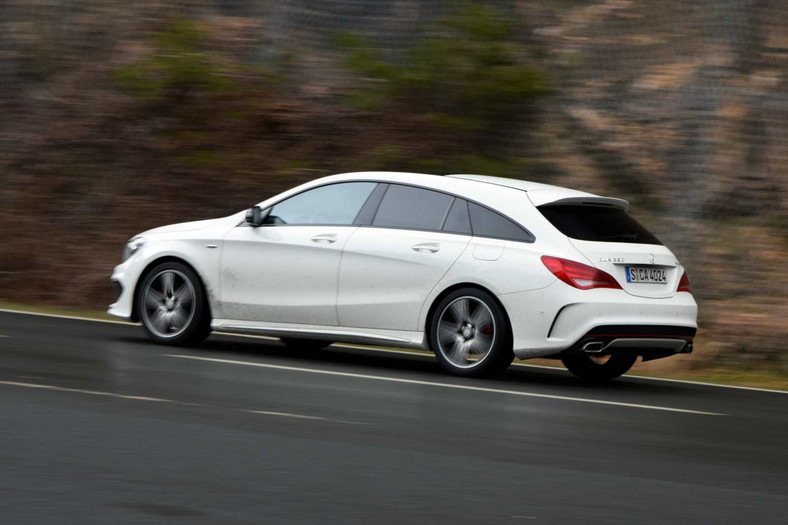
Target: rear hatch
[(616, 243)]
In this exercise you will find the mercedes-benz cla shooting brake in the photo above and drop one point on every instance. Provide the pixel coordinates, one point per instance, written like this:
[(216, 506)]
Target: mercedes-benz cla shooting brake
[(476, 269)]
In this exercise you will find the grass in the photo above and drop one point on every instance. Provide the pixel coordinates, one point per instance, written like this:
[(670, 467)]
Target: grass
[(755, 378), (728, 376), (56, 310)]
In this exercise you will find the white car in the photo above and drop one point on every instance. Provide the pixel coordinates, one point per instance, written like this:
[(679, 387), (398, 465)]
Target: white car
[(476, 269)]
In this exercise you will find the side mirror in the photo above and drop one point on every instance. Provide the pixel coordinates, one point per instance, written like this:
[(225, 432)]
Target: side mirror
[(255, 216)]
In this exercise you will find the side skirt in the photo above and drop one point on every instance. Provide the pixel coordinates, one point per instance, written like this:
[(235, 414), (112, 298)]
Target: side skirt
[(332, 333)]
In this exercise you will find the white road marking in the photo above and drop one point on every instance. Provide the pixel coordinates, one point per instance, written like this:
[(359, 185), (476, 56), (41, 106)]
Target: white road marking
[(439, 384), (285, 414), (429, 355), (303, 416), (89, 392), (170, 401), (701, 383), (59, 316), (395, 351), (1, 336)]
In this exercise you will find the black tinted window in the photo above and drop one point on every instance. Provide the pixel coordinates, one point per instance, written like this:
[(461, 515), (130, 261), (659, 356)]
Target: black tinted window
[(487, 223), (597, 223), (458, 221), (412, 208), (332, 204)]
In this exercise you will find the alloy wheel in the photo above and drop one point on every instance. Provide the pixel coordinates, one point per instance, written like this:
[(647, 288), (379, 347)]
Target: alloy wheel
[(466, 332), (169, 303)]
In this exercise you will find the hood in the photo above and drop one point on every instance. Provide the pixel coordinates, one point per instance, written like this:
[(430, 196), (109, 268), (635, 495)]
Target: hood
[(181, 227)]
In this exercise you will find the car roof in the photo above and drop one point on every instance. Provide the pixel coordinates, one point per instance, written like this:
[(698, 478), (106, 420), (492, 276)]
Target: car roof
[(524, 185), (538, 193)]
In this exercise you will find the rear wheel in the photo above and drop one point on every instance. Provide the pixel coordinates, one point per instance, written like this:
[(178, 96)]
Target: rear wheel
[(172, 305), (304, 344), (469, 333), (598, 368)]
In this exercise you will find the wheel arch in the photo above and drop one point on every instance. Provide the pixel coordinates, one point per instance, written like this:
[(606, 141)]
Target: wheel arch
[(150, 266), (453, 288)]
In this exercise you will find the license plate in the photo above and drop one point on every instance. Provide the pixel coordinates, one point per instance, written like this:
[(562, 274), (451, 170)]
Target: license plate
[(640, 274)]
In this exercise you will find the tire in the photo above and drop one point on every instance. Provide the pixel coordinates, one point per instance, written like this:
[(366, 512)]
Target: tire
[(587, 369), (304, 344), (172, 305), (469, 333)]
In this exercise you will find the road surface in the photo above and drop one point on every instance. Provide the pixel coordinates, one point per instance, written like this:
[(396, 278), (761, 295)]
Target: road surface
[(97, 425)]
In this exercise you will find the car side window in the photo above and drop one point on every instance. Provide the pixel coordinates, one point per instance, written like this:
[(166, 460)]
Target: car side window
[(458, 220), (412, 208), (331, 204), (487, 223)]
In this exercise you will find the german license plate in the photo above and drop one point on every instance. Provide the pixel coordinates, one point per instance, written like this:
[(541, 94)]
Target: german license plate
[(642, 274)]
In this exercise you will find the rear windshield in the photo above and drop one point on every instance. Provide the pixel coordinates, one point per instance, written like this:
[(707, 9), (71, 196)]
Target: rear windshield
[(597, 223)]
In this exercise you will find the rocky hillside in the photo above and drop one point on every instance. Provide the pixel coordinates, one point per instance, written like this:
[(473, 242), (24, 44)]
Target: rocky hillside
[(120, 116)]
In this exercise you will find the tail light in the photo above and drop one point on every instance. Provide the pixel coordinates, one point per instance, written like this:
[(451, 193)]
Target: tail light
[(684, 285), (579, 275)]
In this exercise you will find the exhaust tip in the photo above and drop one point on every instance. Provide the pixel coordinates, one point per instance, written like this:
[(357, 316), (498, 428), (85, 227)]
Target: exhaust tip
[(593, 346)]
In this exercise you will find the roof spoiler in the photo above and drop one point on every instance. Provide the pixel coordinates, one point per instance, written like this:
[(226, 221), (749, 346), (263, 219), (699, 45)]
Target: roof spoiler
[(558, 198)]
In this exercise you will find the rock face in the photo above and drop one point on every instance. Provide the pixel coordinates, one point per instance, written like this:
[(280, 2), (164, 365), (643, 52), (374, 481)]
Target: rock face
[(681, 107)]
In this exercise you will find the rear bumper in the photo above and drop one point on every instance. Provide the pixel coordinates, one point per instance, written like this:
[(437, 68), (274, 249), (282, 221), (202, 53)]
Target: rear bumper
[(558, 318), (650, 341)]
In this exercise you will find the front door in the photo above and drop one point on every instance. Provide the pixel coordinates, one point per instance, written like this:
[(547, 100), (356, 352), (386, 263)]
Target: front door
[(286, 271)]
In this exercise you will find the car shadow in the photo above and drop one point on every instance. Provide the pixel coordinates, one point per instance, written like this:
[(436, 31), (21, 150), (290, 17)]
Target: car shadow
[(417, 366)]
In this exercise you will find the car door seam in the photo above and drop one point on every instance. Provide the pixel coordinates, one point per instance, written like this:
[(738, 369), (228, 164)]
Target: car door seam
[(429, 294), (339, 273)]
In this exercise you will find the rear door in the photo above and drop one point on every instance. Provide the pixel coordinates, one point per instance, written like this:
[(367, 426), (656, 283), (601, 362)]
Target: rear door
[(390, 266), (615, 242)]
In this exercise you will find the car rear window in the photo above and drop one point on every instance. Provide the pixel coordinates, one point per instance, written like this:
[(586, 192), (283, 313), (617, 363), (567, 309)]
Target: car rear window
[(597, 223)]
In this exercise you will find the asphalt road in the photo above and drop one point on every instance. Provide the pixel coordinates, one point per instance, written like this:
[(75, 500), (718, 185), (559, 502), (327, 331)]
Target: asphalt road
[(97, 425)]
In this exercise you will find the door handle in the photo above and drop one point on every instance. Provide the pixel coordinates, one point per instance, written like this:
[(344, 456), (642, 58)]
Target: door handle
[(325, 238), (426, 247)]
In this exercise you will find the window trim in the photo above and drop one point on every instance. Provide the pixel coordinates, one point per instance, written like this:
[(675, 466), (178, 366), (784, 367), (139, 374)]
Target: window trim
[(467, 213), (368, 223), (366, 215), (467, 201), (443, 220), (530, 235), (324, 224), (446, 215)]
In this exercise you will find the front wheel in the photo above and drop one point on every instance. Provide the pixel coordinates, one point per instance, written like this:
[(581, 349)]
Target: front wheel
[(172, 305), (469, 334), (598, 368)]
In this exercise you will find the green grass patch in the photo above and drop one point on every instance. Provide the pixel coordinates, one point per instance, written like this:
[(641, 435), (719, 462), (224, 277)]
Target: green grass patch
[(56, 310), (737, 377)]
